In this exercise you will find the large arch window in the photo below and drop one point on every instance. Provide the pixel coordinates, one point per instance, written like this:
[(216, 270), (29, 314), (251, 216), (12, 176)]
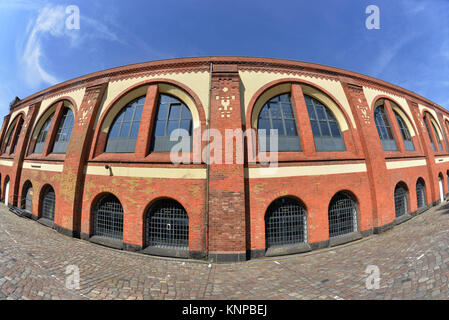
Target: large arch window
[(48, 204), (41, 137), (108, 217), (400, 200), (124, 130), (421, 193), (64, 131), (384, 129), (408, 143), (167, 225), (429, 133), (325, 128), (9, 137), (172, 114), (277, 114), (342, 215), (285, 223), (16, 138), (437, 135)]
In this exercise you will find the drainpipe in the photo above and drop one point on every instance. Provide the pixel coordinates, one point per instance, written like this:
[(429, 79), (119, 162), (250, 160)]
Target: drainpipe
[(207, 162)]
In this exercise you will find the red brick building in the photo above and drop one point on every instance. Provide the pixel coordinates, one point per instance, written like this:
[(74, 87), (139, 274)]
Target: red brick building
[(91, 157)]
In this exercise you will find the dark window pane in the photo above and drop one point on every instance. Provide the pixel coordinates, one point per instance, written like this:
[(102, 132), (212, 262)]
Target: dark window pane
[(290, 127), (277, 124), (163, 111), (315, 129), (124, 131), (175, 111), (160, 128), (275, 110), (324, 128), (134, 130)]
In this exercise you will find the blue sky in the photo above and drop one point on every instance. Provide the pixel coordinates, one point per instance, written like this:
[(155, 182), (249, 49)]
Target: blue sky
[(411, 48)]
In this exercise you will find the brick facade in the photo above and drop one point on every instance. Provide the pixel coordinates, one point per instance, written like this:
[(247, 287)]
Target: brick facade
[(226, 203)]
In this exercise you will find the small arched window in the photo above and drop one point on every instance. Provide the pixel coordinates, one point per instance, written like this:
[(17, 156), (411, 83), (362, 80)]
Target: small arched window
[(408, 142), (172, 114), (342, 215), (41, 137), (64, 131), (400, 200), (277, 114), (285, 223), (48, 204), (384, 129), (325, 128), (108, 217), (167, 225), (421, 193), (124, 130)]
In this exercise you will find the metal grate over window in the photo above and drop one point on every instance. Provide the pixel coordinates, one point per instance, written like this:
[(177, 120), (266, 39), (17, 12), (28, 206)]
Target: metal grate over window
[(408, 143), (384, 129), (40, 142), (108, 217), (285, 223), (400, 201), (325, 128), (64, 131), (125, 128), (277, 114), (48, 204), (167, 225), (421, 193), (342, 215), (172, 114), (27, 202)]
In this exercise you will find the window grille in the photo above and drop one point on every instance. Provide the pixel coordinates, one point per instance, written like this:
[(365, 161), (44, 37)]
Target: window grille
[(277, 114), (285, 223), (421, 193), (172, 114), (41, 137), (342, 215), (48, 204), (408, 142), (167, 225), (325, 128), (108, 217), (400, 201), (122, 137), (64, 131), (384, 129)]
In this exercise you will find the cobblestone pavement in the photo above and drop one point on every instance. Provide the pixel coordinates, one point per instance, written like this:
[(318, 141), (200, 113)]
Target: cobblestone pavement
[(413, 259)]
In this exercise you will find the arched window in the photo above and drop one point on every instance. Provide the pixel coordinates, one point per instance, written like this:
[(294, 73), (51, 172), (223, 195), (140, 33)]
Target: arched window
[(342, 215), (167, 225), (400, 200), (285, 223), (172, 114), (16, 138), (41, 137), (48, 204), (384, 129), (437, 136), (325, 128), (124, 130), (108, 217), (27, 197), (408, 143), (421, 193), (429, 133), (277, 114), (64, 131)]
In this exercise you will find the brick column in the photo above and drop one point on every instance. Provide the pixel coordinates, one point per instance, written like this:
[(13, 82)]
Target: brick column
[(19, 155), (68, 206), (381, 194), (428, 152), (227, 225)]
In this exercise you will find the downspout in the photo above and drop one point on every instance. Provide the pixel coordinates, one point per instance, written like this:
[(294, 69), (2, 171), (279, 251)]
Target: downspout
[(207, 162)]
